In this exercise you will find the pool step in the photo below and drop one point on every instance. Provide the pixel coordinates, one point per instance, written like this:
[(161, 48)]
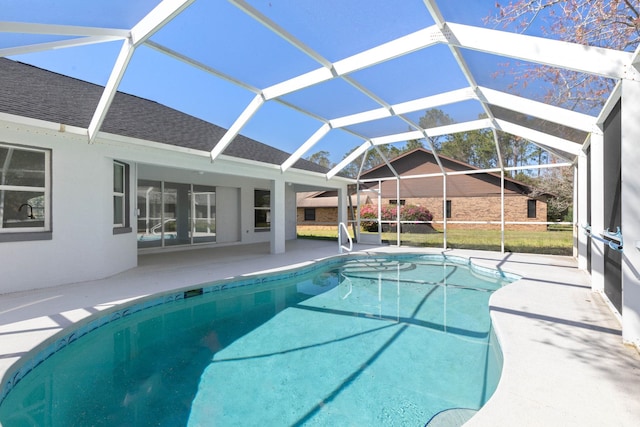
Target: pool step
[(375, 266)]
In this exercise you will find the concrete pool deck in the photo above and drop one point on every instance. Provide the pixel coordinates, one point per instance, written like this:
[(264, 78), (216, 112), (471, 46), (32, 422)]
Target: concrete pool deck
[(565, 363)]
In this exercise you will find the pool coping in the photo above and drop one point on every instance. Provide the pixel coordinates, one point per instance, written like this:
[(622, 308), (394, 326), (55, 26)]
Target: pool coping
[(564, 361)]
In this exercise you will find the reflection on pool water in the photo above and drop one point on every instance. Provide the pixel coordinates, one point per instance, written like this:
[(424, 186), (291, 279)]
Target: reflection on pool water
[(355, 341)]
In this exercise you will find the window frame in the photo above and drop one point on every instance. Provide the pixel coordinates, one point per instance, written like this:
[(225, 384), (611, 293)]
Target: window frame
[(125, 196), (310, 214), (31, 233), (256, 208), (532, 209)]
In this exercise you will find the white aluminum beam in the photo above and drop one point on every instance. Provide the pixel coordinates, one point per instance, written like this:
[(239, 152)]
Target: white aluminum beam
[(235, 128), (586, 59), (60, 44), (420, 104), (317, 136), (540, 138), (144, 29), (433, 101), (62, 30), (459, 127), (365, 116), (350, 158), (302, 81), (399, 137), (540, 110), (156, 19), (393, 49), (126, 52)]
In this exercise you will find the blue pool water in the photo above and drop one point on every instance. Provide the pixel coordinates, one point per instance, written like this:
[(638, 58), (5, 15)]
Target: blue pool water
[(367, 341)]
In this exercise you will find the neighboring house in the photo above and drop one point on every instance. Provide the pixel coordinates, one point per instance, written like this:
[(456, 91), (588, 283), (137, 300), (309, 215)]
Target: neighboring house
[(321, 207), (74, 211), (474, 197)]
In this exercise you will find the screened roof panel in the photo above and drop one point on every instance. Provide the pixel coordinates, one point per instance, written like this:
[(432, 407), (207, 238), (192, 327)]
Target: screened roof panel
[(467, 12), (196, 93), (337, 144), (459, 112), (291, 64), (122, 14), (548, 84), (332, 99), (337, 29), (382, 127), (74, 63), (413, 76), (540, 125), (223, 37), (294, 127)]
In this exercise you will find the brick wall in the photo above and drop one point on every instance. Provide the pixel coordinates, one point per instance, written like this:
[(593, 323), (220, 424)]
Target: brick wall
[(462, 209), (323, 215), (485, 208)]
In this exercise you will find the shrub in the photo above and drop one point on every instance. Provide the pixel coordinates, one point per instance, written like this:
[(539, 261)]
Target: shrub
[(388, 213)]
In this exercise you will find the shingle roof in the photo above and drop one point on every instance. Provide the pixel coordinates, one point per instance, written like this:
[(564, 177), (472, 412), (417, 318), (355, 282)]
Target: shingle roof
[(33, 92)]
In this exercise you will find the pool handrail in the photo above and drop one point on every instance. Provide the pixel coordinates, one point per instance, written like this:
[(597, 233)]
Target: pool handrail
[(341, 247)]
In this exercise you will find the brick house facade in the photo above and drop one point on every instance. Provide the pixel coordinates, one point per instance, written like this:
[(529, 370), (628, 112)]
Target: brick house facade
[(472, 197), (320, 208)]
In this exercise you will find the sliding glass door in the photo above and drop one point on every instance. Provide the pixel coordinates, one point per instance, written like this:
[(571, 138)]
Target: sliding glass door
[(172, 214)]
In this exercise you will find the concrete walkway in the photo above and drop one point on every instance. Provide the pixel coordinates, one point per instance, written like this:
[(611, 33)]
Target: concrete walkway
[(564, 359)]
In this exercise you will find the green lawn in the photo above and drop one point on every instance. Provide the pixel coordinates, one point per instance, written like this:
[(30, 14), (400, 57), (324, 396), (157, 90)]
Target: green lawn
[(542, 242)]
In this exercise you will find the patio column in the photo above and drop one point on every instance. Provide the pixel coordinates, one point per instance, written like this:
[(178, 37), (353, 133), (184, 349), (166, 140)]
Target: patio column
[(630, 211), (343, 206), (580, 210), (278, 215), (597, 212)]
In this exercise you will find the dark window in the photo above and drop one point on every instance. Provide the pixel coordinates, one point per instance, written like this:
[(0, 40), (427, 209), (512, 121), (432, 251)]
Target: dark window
[(309, 214), (395, 202), (531, 208), (448, 209), (262, 209)]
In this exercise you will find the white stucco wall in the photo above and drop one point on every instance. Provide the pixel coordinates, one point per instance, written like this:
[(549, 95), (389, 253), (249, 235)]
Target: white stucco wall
[(83, 246)]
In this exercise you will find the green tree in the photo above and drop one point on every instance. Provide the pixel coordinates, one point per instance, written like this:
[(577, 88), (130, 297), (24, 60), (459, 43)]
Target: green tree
[(476, 148), (321, 158)]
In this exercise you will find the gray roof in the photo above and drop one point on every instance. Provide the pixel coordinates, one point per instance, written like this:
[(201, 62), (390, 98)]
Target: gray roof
[(33, 92)]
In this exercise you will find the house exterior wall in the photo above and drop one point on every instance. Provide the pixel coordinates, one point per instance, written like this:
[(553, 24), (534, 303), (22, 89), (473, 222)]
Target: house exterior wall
[(485, 208), (82, 244), (324, 216)]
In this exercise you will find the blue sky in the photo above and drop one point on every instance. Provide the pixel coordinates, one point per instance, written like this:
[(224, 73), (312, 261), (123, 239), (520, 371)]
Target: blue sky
[(223, 37)]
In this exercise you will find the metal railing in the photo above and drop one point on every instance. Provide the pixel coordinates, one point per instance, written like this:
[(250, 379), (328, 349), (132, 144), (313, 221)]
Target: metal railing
[(342, 226)]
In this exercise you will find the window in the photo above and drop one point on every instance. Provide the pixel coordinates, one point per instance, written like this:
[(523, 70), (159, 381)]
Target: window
[(309, 214), (121, 198), (262, 209), (531, 208), (25, 193), (395, 202), (448, 209)]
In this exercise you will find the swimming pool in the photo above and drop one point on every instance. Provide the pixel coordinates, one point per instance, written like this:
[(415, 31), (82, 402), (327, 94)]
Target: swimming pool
[(349, 341)]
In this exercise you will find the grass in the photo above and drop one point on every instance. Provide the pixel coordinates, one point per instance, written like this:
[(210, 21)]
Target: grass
[(552, 242)]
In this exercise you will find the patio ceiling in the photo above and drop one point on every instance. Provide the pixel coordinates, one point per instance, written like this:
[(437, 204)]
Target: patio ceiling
[(343, 77)]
